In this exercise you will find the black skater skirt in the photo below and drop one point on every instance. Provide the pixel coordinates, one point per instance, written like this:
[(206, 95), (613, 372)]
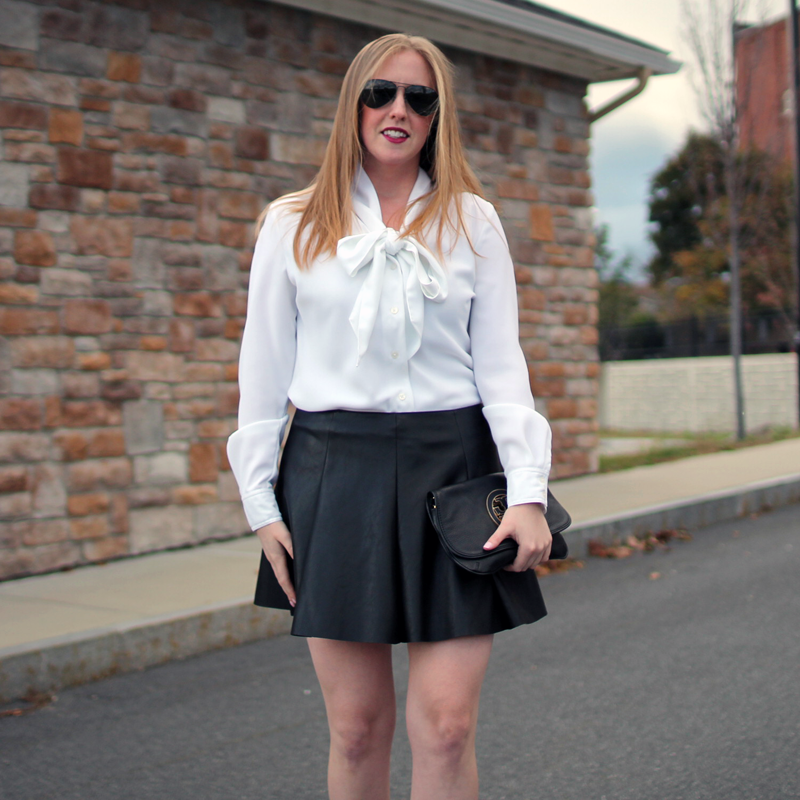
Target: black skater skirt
[(368, 566)]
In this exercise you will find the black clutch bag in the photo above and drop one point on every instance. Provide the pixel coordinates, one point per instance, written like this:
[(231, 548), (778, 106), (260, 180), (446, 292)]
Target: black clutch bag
[(466, 514)]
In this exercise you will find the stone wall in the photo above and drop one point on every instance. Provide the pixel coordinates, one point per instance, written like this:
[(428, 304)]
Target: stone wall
[(696, 394), (140, 140)]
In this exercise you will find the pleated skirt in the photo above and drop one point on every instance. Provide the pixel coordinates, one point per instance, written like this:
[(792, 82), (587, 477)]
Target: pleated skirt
[(368, 566)]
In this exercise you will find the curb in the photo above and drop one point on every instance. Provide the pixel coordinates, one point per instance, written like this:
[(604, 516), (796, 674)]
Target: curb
[(63, 661), (691, 514)]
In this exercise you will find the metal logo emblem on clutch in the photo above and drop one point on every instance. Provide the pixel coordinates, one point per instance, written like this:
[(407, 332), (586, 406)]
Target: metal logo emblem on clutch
[(496, 505)]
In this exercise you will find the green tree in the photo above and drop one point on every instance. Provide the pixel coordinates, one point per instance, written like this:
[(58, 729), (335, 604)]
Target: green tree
[(618, 299)]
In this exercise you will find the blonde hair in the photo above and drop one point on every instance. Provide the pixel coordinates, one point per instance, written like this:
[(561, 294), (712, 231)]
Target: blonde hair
[(326, 204)]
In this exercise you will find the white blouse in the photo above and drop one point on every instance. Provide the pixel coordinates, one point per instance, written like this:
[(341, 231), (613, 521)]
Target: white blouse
[(383, 326)]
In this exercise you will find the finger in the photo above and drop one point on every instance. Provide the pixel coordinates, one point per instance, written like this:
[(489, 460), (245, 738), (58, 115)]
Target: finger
[(285, 538), (498, 536), (281, 570)]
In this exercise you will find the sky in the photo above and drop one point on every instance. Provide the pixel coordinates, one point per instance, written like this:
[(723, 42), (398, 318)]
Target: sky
[(631, 144)]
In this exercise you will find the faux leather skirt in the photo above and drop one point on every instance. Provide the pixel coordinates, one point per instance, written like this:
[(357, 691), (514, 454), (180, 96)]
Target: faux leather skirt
[(368, 566)]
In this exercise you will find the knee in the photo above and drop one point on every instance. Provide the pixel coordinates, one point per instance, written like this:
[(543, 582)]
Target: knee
[(357, 736), (445, 734)]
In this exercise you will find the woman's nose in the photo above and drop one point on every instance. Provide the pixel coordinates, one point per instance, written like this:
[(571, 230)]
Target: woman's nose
[(398, 108)]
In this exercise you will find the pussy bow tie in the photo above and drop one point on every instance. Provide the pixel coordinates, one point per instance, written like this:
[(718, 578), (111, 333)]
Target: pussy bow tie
[(422, 277)]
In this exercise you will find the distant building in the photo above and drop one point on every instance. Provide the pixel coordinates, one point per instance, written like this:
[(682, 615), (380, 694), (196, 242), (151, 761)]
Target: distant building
[(140, 141), (764, 88)]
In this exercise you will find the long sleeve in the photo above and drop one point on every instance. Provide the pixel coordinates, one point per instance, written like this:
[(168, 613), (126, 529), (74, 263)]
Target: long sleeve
[(266, 365), (522, 435)]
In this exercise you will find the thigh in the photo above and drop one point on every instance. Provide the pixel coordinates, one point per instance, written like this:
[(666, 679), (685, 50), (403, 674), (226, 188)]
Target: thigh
[(445, 678), (355, 677)]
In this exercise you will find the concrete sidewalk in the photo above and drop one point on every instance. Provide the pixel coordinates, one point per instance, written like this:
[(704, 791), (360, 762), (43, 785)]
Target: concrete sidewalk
[(71, 627)]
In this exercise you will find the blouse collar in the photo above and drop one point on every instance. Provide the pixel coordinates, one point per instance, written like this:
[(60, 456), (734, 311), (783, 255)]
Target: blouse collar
[(367, 205)]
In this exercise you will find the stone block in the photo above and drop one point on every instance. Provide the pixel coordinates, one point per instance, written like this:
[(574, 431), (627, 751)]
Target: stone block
[(23, 115), (79, 384), (160, 469), (18, 293), (15, 506), (228, 25), (175, 120), (226, 109), (66, 283), (107, 237), (20, 26), (34, 382), (159, 528), (219, 520), (58, 23), (35, 248), (541, 223), (187, 100), (13, 185), (143, 422), (204, 77), (124, 67), (240, 205), (81, 505), (94, 473), (147, 263), (117, 27), (106, 443), (131, 116), (13, 479), (72, 58), (66, 126), (16, 447), (153, 366), (87, 316), (252, 143), (51, 196), (100, 550), (42, 87), (18, 217), (187, 171), (22, 321), (181, 336), (197, 304), (203, 466), (88, 168), (49, 497), (196, 495), (297, 149)]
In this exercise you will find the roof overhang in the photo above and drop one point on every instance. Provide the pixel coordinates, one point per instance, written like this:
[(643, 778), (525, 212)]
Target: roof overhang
[(503, 30)]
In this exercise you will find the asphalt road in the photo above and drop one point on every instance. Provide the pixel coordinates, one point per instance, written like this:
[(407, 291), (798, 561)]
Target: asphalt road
[(680, 687)]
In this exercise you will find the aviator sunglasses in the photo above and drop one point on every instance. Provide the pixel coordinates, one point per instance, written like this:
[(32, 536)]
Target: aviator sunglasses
[(421, 100)]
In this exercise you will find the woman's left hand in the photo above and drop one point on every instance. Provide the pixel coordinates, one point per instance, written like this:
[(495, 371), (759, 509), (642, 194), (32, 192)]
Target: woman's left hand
[(527, 526)]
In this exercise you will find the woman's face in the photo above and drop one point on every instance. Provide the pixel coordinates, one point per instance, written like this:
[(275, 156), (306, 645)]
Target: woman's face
[(393, 135)]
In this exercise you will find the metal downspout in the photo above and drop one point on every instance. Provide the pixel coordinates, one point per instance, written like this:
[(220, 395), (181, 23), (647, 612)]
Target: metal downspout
[(643, 75)]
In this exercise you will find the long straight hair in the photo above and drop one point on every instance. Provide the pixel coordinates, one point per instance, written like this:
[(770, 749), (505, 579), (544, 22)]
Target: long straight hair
[(326, 205)]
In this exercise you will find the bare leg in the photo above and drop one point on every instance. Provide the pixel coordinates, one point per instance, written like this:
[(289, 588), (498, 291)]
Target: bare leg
[(444, 686), (357, 685)]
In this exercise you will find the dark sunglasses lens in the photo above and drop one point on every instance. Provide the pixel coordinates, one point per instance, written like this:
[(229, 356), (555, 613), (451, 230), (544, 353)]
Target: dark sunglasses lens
[(378, 93), (422, 99)]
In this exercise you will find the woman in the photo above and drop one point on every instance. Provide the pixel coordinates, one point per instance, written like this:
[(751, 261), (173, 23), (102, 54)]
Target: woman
[(382, 304)]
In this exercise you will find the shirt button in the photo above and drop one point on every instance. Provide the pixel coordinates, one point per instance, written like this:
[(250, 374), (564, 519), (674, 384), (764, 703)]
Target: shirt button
[(394, 355), (401, 396), (393, 309)]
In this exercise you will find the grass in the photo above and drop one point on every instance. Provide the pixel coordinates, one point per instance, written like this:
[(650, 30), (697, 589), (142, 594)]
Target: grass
[(696, 444)]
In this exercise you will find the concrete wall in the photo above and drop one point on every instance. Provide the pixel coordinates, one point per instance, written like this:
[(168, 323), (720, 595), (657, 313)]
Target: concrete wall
[(139, 141), (696, 394)]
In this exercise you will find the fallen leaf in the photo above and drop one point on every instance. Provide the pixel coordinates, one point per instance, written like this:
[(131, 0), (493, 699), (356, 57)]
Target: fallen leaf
[(654, 576)]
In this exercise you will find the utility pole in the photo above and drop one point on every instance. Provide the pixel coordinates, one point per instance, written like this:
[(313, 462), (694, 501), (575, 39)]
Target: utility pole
[(796, 85)]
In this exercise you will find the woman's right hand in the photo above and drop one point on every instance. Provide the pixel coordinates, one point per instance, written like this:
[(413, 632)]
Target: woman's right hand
[(276, 542)]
